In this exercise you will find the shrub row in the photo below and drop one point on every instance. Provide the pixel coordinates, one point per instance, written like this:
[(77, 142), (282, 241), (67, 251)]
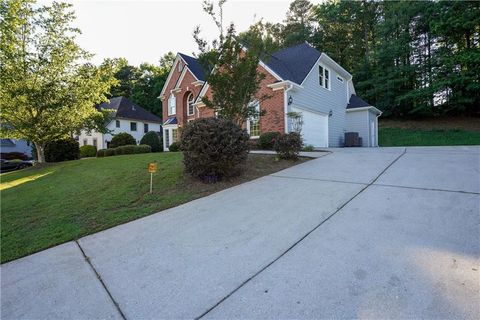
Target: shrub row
[(126, 149)]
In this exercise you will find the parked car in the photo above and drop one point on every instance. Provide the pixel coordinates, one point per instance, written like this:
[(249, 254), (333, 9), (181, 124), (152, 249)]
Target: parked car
[(11, 165)]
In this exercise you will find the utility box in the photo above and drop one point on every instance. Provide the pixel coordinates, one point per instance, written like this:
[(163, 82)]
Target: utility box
[(352, 139)]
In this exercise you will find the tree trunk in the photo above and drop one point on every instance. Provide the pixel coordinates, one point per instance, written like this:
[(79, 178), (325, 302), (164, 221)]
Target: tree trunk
[(40, 147)]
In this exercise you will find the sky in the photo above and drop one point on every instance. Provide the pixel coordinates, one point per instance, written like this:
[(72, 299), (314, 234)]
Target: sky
[(143, 31)]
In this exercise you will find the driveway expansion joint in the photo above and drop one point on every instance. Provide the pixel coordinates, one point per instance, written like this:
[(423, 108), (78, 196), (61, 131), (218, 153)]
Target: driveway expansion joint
[(317, 179), (87, 259), (301, 239), (425, 189)]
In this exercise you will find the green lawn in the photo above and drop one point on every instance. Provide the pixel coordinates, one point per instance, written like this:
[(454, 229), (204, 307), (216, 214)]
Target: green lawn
[(45, 206), (391, 137)]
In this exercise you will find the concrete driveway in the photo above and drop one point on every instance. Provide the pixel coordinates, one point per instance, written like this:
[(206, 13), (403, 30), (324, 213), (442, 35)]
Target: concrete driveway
[(359, 233)]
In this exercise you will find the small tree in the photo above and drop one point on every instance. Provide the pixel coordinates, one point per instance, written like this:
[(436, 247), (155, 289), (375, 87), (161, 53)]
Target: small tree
[(229, 64), (47, 91)]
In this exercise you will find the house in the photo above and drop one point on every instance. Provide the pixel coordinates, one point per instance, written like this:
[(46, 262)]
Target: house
[(299, 79), (127, 117), (16, 145)]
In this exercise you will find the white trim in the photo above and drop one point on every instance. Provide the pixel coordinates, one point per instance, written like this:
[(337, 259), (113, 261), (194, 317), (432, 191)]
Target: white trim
[(180, 79), (365, 108), (310, 110), (188, 105), (198, 83), (283, 85), (325, 70), (172, 95), (273, 73), (170, 74), (202, 92), (335, 64)]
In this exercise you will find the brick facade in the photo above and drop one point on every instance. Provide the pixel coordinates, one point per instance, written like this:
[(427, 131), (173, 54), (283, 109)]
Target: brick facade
[(273, 120)]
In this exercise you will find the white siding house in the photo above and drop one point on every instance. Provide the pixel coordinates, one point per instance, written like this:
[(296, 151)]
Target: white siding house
[(127, 117)]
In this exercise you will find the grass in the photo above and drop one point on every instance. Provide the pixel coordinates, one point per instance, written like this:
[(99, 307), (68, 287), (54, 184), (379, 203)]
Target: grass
[(391, 137), (48, 205)]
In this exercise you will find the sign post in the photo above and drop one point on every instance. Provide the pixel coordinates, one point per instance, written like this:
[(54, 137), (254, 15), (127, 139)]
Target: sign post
[(152, 168)]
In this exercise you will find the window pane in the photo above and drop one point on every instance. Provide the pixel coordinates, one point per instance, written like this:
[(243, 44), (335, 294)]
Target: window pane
[(327, 78), (145, 127), (117, 123), (95, 142), (174, 135), (133, 126), (167, 137), (320, 75)]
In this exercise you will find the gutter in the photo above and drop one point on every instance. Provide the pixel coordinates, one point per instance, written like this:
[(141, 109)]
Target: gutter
[(285, 103)]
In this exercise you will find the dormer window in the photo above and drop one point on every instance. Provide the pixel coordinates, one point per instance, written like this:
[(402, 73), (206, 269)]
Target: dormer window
[(172, 105), (324, 77)]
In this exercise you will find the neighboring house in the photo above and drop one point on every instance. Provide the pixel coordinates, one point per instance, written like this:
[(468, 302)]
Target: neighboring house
[(127, 117), (299, 79), (14, 145)]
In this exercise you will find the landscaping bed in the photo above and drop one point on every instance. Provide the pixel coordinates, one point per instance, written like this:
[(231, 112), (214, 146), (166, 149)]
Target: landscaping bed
[(48, 205)]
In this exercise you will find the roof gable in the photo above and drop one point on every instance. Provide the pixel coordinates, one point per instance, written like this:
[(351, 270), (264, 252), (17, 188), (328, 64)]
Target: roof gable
[(124, 108), (194, 66), (294, 63)]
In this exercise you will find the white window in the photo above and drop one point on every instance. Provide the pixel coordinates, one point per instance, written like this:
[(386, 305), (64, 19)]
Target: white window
[(172, 105), (180, 65), (85, 142), (191, 108), (324, 77), (167, 138), (94, 142), (253, 124), (117, 123), (174, 135), (339, 78)]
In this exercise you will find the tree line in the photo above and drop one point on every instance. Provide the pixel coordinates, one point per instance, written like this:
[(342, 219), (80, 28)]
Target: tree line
[(408, 58)]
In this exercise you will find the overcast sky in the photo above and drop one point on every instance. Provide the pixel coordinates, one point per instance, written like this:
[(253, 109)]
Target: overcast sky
[(142, 31)]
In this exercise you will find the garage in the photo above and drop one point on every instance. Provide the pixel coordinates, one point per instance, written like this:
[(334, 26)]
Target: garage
[(315, 128)]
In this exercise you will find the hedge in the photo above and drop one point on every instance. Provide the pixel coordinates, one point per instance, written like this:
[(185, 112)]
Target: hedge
[(88, 151), (127, 149)]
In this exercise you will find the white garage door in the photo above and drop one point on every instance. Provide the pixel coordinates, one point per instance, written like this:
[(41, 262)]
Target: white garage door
[(315, 128)]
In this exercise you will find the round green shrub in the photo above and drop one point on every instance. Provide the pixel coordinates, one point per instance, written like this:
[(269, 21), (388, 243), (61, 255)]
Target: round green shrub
[(101, 153), (214, 148), (154, 140), (88, 151), (62, 150), (122, 139), (174, 147), (289, 145), (266, 141), (127, 149)]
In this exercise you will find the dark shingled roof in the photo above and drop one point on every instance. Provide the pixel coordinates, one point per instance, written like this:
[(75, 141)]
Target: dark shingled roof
[(357, 102), (172, 120), (294, 63), (194, 66), (127, 109)]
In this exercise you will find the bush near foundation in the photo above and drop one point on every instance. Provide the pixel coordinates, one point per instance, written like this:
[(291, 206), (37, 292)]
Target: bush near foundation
[(122, 139), (214, 148), (289, 145), (266, 141), (88, 151)]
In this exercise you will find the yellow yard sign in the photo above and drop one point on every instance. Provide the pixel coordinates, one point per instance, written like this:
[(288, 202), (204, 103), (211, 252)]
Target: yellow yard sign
[(152, 167)]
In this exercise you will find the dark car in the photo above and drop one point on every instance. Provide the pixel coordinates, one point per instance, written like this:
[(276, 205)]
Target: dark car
[(11, 165)]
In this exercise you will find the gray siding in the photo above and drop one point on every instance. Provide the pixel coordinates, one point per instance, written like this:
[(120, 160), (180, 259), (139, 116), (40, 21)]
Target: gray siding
[(358, 121), (315, 97)]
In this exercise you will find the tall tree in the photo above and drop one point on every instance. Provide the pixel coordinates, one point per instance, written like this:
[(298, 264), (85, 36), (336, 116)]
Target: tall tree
[(299, 23), (230, 63), (47, 91)]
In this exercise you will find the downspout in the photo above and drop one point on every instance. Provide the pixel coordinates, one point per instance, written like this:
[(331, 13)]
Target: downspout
[(285, 103), (376, 136)]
